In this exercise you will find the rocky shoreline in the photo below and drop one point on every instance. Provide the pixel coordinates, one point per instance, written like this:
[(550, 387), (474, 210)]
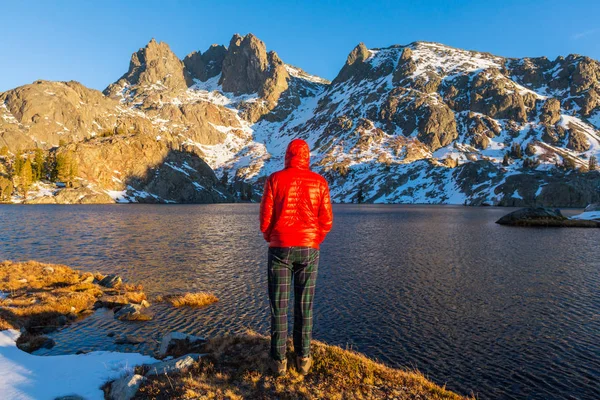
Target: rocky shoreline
[(184, 366), (547, 217)]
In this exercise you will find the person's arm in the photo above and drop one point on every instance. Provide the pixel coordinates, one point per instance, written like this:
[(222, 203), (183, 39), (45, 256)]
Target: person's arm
[(266, 210), (325, 212)]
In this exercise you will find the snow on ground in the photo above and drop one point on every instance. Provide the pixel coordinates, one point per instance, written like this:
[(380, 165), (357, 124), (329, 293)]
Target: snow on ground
[(445, 60), (595, 215), (299, 73), (595, 119), (24, 376), (119, 196)]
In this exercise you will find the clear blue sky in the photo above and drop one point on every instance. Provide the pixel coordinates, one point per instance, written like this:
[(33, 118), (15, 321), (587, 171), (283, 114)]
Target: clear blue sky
[(92, 41)]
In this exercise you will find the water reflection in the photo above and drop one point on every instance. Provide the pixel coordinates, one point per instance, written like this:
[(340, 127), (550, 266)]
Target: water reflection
[(498, 311)]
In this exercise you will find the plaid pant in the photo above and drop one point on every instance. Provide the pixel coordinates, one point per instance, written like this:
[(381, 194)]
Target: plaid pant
[(302, 263)]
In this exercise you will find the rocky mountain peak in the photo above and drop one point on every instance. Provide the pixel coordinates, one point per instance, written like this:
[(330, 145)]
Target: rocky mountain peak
[(248, 69), (354, 63), (152, 67), (204, 66), (245, 66)]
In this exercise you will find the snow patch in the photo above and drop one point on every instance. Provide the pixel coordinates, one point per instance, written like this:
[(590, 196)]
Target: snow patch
[(589, 215), (25, 376)]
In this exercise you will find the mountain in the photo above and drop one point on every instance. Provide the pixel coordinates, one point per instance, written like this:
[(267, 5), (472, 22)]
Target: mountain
[(421, 123)]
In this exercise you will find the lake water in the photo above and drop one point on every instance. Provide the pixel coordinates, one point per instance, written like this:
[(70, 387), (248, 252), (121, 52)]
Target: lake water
[(496, 311)]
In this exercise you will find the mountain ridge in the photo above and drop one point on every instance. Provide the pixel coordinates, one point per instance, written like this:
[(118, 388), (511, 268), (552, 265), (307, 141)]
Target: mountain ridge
[(404, 123)]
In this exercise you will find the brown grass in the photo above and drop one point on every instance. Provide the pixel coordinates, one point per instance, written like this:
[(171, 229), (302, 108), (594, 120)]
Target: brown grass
[(237, 368), (40, 296), (189, 299)]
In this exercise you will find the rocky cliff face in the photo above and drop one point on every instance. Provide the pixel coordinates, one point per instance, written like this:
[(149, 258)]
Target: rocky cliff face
[(152, 67), (422, 123)]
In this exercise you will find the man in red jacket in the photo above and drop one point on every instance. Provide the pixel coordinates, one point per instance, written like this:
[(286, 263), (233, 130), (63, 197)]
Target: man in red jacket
[(295, 217)]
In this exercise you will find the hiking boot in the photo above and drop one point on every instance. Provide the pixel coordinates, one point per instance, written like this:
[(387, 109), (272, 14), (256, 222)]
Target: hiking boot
[(303, 364), (279, 367)]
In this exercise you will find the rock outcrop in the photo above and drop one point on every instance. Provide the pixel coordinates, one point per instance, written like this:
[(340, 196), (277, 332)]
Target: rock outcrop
[(249, 69), (45, 114), (543, 217), (154, 66), (209, 64)]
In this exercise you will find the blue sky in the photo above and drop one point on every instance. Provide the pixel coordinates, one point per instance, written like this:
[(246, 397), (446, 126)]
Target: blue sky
[(92, 41)]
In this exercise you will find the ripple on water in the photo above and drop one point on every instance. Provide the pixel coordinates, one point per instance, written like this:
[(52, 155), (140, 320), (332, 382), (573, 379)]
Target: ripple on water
[(501, 312)]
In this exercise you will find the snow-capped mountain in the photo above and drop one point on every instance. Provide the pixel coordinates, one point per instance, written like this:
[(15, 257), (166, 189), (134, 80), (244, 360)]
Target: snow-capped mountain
[(422, 123)]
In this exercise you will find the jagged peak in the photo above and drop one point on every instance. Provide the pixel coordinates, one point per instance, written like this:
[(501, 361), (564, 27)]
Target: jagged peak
[(154, 65), (247, 65)]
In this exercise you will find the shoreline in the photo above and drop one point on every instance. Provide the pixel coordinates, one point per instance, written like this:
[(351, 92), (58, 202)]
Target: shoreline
[(244, 357)]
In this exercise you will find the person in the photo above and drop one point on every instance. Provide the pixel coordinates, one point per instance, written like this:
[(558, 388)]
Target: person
[(295, 217)]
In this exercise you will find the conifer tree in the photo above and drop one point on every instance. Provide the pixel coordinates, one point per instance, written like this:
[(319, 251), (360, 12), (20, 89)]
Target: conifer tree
[(65, 168), (38, 165), (6, 188), (25, 177), (516, 151), (360, 196), (18, 163), (593, 163)]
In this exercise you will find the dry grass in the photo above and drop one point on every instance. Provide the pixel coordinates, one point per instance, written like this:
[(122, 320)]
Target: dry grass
[(237, 368), (190, 299), (40, 296), (40, 293)]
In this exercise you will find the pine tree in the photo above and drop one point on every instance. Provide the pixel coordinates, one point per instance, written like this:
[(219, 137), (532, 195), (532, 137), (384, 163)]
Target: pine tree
[(65, 168), (25, 177), (6, 188), (18, 163), (515, 151), (73, 169), (38, 165), (593, 163), (224, 178), (506, 160), (360, 196)]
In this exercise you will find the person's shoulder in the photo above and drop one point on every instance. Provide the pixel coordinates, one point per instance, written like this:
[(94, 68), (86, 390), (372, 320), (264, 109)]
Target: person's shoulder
[(275, 176)]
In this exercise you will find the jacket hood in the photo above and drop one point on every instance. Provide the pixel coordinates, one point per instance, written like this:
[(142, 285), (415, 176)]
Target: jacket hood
[(297, 155)]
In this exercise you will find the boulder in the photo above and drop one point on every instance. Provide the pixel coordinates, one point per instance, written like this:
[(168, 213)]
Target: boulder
[(111, 281), (125, 387), (577, 140), (550, 113), (87, 278), (175, 341), (541, 216), (132, 312), (173, 366), (129, 339)]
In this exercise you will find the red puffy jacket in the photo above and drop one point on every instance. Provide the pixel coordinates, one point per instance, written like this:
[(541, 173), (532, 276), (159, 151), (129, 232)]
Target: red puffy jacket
[(296, 209)]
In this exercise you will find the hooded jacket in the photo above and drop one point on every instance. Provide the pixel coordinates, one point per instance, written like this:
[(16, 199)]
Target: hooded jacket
[(295, 209)]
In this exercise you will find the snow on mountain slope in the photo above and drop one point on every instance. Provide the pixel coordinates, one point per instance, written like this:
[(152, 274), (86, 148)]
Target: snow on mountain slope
[(362, 137), (422, 123)]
